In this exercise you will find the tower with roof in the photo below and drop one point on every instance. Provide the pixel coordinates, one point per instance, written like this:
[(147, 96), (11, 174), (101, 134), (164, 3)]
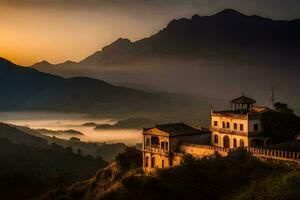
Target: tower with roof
[(239, 127)]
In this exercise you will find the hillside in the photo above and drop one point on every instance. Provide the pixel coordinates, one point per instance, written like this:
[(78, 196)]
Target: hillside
[(236, 177), (30, 166), (28, 89), (217, 56), (30, 137), (20, 137)]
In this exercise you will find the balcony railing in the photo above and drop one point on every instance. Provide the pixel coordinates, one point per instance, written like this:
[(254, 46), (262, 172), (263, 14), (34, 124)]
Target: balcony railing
[(236, 115), (229, 131), (156, 149)]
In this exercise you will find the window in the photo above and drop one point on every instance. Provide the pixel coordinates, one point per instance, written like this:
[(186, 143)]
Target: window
[(155, 141), (152, 162), (242, 144), (234, 143), (226, 143), (147, 142), (228, 125), (215, 123), (235, 126), (167, 146), (162, 145), (216, 139), (162, 164), (223, 124), (255, 127), (147, 162), (241, 127)]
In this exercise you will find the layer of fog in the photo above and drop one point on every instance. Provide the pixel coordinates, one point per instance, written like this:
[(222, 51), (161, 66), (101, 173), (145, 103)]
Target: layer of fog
[(221, 81), (66, 121)]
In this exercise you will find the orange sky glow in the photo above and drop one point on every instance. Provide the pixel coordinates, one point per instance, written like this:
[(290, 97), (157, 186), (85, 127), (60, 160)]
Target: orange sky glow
[(30, 35), (54, 30)]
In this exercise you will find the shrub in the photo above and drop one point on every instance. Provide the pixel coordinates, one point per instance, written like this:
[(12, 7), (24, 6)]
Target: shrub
[(130, 159)]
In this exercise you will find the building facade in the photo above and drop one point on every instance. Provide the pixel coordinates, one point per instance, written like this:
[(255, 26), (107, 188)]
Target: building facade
[(161, 144), (239, 127)]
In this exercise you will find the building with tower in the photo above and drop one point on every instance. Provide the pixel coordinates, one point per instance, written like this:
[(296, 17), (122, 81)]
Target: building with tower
[(241, 126)]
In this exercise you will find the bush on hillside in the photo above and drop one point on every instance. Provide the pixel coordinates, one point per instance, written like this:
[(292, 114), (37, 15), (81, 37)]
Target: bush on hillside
[(130, 159)]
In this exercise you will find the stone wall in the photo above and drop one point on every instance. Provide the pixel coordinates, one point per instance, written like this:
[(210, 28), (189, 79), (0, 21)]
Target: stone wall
[(275, 154), (200, 151)]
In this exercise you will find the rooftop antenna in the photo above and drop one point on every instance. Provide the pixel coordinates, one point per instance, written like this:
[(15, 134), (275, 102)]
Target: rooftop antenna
[(273, 96)]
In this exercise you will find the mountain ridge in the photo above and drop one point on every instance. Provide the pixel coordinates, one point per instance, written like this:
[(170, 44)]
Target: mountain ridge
[(26, 89), (209, 26), (226, 53)]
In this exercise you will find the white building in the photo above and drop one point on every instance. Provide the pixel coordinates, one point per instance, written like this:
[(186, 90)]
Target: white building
[(239, 127)]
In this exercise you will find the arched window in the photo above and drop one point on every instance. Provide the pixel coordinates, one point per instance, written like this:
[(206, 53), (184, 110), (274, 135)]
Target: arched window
[(147, 162), (147, 142), (234, 143), (155, 141), (226, 143), (216, 139), (242, 144), (152, 162)]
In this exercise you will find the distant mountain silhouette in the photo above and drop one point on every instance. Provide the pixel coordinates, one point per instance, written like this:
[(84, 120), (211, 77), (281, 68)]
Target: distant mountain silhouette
[(219, 56), (219, 35), (19, 137), (130, 123), (28, 89)]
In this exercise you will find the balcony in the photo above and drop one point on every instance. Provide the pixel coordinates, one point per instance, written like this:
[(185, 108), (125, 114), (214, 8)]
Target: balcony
[(156, 149), (230, 114), (229, 131)]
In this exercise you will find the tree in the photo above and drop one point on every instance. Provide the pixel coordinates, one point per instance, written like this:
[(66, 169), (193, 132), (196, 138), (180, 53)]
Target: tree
[(130, 159), (283, 107), (280, 125)]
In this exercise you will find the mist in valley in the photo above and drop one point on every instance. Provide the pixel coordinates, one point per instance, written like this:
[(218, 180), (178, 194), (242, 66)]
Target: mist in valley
[(58, 121), (208, 80)]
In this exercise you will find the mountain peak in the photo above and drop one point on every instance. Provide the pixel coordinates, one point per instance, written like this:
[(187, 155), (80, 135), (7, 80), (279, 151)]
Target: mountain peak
[(121, 42), (230, 13), (69, 62), (118, 45), (44, 62)]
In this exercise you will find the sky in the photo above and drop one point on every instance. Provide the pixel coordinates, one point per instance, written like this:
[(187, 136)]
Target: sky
[(61, 30)]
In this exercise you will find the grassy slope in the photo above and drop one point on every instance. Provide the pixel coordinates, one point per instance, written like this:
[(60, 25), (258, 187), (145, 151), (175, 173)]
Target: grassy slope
[(235, 177)]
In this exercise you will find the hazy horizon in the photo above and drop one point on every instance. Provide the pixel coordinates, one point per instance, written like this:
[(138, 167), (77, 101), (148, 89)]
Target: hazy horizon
[(58, 31)]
